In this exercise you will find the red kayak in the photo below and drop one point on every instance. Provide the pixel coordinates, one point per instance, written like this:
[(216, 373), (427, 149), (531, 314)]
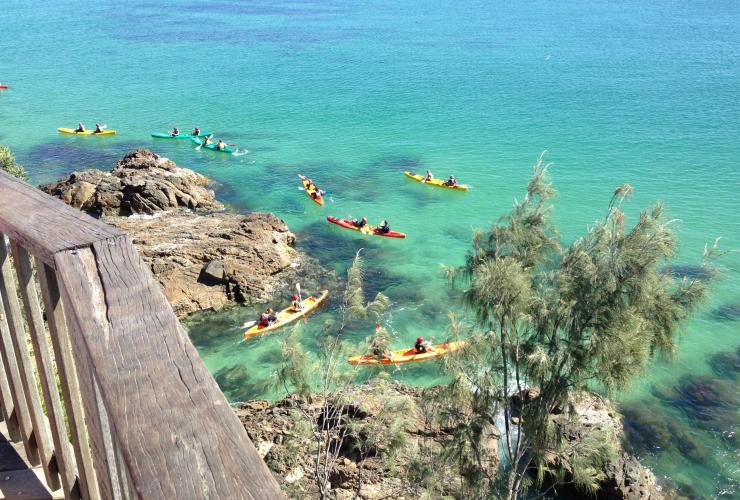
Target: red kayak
[(4, 87), (347, 224)]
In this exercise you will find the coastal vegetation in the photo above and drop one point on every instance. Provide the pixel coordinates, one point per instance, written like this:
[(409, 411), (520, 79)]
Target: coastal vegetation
[(9, 164), (552, 321)]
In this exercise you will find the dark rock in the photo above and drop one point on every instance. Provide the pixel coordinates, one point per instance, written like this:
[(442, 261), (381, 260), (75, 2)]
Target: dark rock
[(213, 272), (726, 364), (727, 312), (688, 271), (141, 183)]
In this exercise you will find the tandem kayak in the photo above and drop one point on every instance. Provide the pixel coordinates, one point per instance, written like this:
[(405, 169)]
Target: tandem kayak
[(347, 224), (287, 315), (435, 182), (158, 135), (312, 192), (212, 147), (407, 355), (86, 132)]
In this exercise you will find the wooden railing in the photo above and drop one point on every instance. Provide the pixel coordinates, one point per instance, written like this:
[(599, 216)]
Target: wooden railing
[(98, 379)]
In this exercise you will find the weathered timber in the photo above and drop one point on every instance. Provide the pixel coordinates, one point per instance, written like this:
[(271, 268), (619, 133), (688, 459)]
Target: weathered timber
[(64, 459), (148, 370), (68, 380), (42, 224), (12, 371)]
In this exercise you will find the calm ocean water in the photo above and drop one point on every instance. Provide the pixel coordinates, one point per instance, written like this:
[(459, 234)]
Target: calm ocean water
[(353, 93)]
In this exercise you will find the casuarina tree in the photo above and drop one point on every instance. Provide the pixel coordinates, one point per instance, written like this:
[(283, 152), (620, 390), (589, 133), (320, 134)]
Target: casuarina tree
[(554, 319)]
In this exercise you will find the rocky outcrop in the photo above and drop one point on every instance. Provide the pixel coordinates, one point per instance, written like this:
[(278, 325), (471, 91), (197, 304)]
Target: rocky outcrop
[(208, 261), (203, 258), (280, 435), (141, 183), (625, 477)]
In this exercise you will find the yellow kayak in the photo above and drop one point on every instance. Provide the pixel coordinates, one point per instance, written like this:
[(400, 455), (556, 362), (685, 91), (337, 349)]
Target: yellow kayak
[(86, 132), (407, 355), (287, 315), (435, 182)]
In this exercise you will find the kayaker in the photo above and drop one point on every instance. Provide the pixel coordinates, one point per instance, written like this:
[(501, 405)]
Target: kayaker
[(175, 132), (428, 177), (80, 127), (264, 319), (360, 224), (380, 343), (384, 227), (421, 346), (196, 132), (208, 140), (451, 181), (271, 318), (220, 144), (98, 128), (295, 303)]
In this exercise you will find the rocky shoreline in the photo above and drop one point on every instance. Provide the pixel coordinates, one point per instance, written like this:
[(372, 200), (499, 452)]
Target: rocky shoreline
[(205, 257), (278, 432)]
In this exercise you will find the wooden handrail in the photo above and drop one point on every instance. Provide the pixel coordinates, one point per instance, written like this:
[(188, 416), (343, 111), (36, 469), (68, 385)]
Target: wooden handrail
[(141, 405)]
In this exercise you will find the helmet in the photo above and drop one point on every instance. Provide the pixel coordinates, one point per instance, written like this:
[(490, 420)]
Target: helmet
[(364, 219), (295, 296), (420, 339)]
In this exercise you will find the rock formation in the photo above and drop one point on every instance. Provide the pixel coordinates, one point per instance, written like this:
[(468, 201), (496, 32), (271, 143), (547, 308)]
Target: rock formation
[(141, 183), (204, 259)]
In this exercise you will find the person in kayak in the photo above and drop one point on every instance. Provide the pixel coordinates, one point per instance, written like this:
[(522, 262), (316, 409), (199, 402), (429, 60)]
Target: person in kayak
[(451, 182), (220, 145), (380, 343), (268, 318), (207, 140), (98, 128), (421, 346), (80, 127), (175, 132), (196, 132), (384, 227), (295, 303), (360, 224)]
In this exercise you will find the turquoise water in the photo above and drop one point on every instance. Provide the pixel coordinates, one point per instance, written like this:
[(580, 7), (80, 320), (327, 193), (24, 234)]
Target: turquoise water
[(353, 93)]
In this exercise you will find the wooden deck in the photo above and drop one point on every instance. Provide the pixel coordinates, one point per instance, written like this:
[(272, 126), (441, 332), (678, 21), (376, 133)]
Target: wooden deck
[(18, 478), (101, 390)]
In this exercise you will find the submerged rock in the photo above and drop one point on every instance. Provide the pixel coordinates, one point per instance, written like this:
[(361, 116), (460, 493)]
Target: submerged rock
[(726, 364), (140, 183), (727, 312), (688, 271)]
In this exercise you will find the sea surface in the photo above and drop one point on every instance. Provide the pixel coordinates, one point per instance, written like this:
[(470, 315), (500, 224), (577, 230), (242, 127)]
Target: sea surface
[(352, 93)]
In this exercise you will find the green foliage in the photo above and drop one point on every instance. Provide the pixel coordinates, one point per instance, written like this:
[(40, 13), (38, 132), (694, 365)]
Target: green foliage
[(559, 317), (8, 164), (354, 305)]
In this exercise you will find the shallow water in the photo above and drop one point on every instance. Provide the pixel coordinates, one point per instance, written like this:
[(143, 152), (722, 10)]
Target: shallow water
[(353, 93)]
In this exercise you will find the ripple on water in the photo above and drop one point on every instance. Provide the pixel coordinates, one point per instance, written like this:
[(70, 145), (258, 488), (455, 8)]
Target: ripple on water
[(727, 312)]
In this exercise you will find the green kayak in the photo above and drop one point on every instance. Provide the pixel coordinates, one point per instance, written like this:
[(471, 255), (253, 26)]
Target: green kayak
[(212, 147), (178, 136)]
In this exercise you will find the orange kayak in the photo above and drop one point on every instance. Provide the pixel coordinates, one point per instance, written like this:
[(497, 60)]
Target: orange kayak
[(313, 192), (288, 315), (407, 355)]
